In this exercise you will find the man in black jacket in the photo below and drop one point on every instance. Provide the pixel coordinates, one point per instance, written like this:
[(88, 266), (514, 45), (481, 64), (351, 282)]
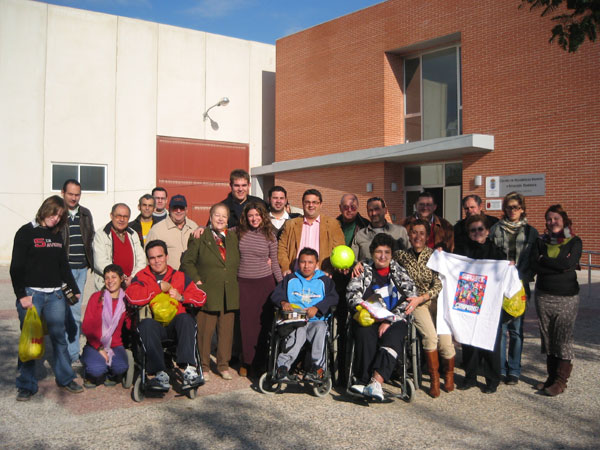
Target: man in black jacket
[(350, 219), (471, 205), (78, 235), (239, 181)]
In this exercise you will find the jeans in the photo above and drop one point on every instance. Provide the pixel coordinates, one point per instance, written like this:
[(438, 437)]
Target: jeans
[(513, 326), (51, 307), (80, 276), (95, 364)]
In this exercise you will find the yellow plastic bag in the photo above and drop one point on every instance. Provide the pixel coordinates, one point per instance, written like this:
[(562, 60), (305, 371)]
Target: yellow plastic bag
[(31, 343), (515, 305), (164, 308), (363, 317)]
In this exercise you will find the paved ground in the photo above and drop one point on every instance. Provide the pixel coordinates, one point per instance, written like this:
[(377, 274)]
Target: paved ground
[(234, 415)]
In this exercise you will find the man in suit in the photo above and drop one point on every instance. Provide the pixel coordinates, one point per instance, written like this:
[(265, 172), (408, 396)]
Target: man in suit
[(312, 230)]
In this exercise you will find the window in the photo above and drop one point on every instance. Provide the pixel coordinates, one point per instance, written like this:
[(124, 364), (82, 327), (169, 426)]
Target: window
[(432, 95), (91, 177)]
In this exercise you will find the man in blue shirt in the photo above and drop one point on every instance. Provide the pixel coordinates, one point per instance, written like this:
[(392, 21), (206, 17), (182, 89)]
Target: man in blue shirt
[(311, 290)]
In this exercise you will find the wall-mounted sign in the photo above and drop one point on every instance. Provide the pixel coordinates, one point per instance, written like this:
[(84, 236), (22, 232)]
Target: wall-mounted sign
[(493, 205), (492, 187), (528, 185)]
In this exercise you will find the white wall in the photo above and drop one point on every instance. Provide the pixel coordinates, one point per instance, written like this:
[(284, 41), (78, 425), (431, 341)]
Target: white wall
[(83, 87)]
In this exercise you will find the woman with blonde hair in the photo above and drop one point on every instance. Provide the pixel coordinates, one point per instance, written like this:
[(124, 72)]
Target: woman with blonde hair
[(516, 238), (39, 269)]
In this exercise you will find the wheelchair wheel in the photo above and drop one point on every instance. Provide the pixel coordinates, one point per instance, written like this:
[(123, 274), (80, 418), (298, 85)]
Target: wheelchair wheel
[(409, 395), (137, 393), (267, 385), (323, 389), (128, 378)]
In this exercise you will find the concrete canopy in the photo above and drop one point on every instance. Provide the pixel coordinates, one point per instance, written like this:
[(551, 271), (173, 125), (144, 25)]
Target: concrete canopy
[(428, 150)]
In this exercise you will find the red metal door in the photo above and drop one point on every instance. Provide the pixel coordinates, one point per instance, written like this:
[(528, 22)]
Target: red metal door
[(199, 170)]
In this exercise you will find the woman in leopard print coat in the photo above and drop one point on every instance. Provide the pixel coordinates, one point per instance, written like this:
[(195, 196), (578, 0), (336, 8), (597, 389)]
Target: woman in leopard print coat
[(424, 305)]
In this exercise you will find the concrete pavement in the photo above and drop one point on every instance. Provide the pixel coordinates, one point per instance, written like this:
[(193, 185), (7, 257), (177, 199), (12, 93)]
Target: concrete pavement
[(234, 415)]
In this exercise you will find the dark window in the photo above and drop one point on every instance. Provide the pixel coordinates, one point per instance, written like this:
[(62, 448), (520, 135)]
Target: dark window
[(92, 178)]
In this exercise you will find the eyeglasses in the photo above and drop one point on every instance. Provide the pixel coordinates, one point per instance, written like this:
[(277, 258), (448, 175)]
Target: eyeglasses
[(349, 207), (477, 230), (425, 205), (513, 207)]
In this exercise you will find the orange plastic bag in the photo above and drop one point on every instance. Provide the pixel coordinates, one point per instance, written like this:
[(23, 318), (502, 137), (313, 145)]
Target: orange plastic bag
[(31, 343)]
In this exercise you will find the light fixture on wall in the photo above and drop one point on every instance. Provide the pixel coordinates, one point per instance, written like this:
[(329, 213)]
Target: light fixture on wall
[(369, 187), (478, 180), (223, 102)]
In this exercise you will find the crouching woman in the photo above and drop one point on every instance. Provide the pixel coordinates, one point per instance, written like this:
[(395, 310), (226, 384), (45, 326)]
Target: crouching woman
[(104, 357)]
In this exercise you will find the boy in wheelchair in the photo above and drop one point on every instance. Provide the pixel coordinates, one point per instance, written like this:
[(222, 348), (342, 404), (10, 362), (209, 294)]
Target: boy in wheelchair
[(155, 279), (311, 290)]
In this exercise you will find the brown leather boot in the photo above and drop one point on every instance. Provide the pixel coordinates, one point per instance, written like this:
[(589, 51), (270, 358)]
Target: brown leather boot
[(563, 372), (448, 373), (433, 366), (551, 363)]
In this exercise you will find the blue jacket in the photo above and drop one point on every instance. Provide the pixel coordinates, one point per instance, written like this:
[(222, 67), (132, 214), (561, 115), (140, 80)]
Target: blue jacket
[(319, 291)]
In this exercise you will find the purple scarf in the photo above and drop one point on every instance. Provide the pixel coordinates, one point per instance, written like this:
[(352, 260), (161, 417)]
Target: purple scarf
[(110, 320)]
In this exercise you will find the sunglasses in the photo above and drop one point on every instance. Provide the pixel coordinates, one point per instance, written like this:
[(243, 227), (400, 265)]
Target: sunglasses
[(178, 208), (513, 207), (477, 230), (349, 207)]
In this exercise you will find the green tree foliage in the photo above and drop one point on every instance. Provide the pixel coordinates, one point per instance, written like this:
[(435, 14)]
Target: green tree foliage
[(578, 21)]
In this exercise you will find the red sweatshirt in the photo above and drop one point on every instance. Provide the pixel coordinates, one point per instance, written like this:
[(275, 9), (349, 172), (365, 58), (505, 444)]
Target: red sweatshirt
[(144, 288), (92, 322)]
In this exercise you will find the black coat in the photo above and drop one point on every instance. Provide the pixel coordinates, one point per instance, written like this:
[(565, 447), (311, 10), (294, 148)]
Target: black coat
[(475, 250), (557, 276)]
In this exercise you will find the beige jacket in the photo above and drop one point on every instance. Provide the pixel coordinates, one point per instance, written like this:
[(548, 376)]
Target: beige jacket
[(175, 238)]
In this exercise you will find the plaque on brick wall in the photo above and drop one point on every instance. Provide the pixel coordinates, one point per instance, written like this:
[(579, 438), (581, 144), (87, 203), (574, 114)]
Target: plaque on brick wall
[(528, 185)]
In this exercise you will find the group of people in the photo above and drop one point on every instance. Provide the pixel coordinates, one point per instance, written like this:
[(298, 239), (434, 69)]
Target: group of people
[(255, 255)]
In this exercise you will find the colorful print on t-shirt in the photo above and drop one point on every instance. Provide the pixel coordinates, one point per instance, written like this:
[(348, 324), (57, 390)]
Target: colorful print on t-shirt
[(469, 292)]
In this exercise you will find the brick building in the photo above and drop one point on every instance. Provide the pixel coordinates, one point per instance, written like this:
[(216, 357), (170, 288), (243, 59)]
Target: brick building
[(439, 95)]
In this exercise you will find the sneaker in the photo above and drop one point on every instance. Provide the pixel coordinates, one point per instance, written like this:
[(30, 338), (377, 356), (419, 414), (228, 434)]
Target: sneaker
[(358, 389), (109, 383), (467, 384), (191, 379), (160, 382), (73, 387), (511, 380), (89, 384), (315, 375), (23, 395), (373, 390), (490, 389), (283, 374)]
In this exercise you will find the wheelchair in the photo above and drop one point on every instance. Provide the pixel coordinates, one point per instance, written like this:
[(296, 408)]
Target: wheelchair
[(136, 374), (268, 382), (407, 373)]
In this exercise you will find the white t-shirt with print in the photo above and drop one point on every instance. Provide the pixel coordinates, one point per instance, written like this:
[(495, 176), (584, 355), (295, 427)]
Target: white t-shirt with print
[(470, 303)]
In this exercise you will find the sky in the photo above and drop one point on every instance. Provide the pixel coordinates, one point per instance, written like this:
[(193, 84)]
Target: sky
[(254, 20)]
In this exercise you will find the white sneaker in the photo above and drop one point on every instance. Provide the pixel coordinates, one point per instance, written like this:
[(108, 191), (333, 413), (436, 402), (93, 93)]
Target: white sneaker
[(190, 377), (358, 388), (374, 390), (160, 382)]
